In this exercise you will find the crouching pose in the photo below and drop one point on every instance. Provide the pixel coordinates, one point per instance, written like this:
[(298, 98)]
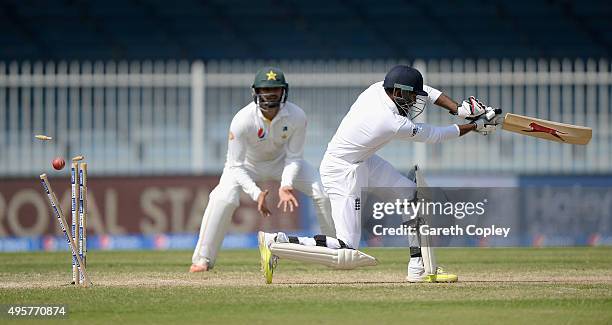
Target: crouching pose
[(266, 142), (381, 113)]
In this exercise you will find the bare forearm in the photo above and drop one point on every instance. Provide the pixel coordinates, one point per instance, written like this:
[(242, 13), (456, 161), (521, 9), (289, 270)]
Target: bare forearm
[(446, 102), (465, 128)]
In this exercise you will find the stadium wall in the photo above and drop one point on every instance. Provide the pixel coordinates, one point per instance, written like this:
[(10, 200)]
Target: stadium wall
[(169, 118), (165, 212)]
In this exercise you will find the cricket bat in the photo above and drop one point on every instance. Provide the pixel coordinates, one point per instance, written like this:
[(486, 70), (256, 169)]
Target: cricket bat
[(543, 129)]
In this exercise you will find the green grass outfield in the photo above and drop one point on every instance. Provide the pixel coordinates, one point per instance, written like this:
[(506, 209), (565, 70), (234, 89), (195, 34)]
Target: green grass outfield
[(518, 285)]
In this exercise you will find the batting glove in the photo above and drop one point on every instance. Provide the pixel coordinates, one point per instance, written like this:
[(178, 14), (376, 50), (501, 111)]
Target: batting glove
[(471, 108), (486, 124)]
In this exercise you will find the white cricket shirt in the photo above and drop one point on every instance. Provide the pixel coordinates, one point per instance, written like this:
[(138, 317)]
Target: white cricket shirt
[(374, 120), (254, 139)]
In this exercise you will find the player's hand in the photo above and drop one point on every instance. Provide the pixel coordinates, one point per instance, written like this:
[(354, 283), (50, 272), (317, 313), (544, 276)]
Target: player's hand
[(285, 193), (261, 204), (471, 108), (487, 123)]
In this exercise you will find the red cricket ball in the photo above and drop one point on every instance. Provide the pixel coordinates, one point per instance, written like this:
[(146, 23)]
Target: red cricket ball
[(58, 163)]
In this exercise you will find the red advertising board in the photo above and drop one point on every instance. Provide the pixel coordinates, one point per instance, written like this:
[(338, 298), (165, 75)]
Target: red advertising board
[(131, 205)]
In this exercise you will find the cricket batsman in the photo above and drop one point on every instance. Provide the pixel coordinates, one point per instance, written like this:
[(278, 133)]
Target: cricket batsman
[(266, 142), (383, 112)]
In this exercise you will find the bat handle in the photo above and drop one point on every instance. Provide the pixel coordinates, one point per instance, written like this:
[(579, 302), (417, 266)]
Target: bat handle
[(491, 114)]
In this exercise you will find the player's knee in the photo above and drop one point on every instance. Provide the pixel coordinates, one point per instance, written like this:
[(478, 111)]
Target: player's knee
[(230, 196), (318, 193)]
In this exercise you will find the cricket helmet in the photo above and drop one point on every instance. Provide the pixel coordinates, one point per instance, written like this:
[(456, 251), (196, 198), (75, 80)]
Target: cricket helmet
[(269, 77), (405, 84)]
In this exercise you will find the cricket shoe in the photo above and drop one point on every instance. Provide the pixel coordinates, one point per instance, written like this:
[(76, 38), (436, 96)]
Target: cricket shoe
[(195, 268), (439, 276), (268, 261)]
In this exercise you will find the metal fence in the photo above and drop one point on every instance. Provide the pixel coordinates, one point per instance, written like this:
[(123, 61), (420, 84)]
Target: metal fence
[(172, 117)]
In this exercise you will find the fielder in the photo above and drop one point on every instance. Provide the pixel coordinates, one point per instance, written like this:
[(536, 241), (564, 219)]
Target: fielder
[(382, 113), (266, 142)]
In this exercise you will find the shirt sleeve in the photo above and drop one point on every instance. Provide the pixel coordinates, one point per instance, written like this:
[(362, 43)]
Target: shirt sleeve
[(294, 152), (236, 155), (432, 93), (421, 132)]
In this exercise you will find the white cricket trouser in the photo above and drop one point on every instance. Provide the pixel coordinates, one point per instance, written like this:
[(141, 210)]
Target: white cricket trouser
[(343, 182), (224, 200)]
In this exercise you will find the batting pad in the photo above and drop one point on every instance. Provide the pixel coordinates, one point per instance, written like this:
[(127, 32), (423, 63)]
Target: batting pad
[(342, 259), (429, 259)]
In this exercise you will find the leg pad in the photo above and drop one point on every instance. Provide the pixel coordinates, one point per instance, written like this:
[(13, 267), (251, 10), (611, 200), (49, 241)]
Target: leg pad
[(344, 259)]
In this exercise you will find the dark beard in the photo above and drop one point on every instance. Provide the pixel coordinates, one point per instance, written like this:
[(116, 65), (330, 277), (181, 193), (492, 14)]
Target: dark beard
[(269, 105)]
